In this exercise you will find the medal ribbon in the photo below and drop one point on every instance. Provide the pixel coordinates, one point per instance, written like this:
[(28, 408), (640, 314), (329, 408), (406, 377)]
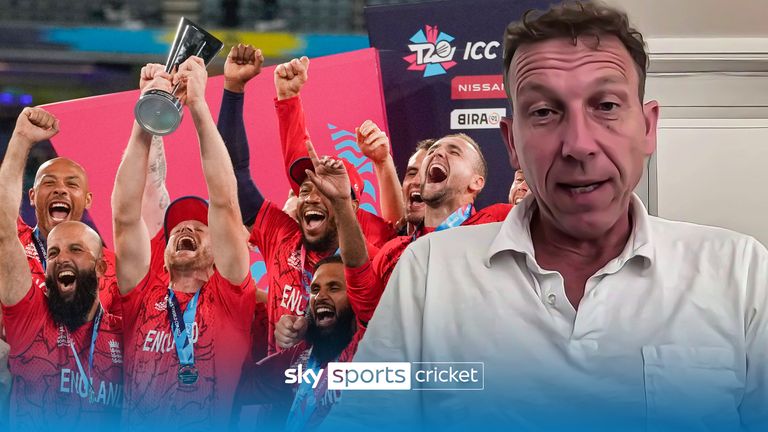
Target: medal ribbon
[(94, 335), (453, 220), (40, 247), (182, 329), (305, 401)]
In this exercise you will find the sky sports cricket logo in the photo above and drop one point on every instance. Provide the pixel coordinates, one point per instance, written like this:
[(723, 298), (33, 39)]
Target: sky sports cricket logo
[(393, 376), (433, 52)]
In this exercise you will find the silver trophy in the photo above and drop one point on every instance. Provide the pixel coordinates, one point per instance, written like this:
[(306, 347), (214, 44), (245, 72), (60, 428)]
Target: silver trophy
[(158, 111)]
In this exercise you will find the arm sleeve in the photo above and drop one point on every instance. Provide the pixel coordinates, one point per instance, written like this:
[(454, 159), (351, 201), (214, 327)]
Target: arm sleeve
[(24, 320), (754, 416), (293, 135), (375, 229), (239, 301), (232, 129), (364, 290)]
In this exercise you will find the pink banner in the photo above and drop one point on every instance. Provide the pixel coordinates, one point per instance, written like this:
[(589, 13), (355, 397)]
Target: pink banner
[(343, 91)]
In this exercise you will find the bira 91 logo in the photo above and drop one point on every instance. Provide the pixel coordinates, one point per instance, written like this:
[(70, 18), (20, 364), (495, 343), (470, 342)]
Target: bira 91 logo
[(482, 118), (434, 55)]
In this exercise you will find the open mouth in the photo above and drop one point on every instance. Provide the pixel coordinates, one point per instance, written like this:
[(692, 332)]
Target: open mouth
[(59, 211), (325, 315), (66, 279), (186, 243), (313, 219), (581, 188), (415, 198), (437, 173)]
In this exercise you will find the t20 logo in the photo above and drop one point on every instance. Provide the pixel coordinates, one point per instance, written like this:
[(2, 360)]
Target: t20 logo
[(432, 50)]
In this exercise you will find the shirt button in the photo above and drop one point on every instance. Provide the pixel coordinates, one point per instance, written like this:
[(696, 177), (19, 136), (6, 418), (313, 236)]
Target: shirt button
[(551, 298)]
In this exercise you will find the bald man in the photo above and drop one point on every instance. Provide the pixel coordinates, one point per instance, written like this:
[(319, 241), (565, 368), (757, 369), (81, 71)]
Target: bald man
[(60, 193), (65, 350)]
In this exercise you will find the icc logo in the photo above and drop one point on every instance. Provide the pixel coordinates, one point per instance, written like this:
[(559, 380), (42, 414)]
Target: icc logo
[(432, 50)]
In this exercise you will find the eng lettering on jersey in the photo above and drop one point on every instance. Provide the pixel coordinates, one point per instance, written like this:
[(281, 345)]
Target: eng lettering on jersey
[(292, 299), (106, 393), (161, 341)]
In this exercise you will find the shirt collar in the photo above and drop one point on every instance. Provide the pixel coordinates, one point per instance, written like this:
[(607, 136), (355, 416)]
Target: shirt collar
[(515, 233)]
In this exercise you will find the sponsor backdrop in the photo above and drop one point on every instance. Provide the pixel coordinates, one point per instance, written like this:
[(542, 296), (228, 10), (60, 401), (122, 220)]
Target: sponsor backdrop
[(94, 132), (441, 65)]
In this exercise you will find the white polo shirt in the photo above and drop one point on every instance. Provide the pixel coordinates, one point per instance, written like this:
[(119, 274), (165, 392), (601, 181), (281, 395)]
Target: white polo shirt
[(670, 335)]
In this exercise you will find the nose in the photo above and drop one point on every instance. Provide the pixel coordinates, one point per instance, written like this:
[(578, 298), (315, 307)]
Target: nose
[(60, 189), (185, 228), (578, 141), (313, 196)]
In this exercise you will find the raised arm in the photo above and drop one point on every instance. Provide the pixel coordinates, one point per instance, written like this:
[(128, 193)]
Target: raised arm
[(242, 64), (228, 239), (33, 125), (330, 178), (156, 198), (290, 78), (132, 239), (374, 144)]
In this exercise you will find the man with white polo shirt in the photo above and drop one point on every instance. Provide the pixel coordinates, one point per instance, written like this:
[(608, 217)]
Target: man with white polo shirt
[(588, 313)]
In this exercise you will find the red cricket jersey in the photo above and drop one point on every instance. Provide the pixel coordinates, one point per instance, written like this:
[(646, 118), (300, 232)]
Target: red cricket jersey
[(49, 392), (109, 294), (154, 398), (293, 137), (365, 284), (279, 239), (264, 383)]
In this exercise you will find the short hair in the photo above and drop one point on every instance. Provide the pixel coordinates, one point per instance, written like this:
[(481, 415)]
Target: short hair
[(571, 20), (424, 144), (331, 259), (482, 166)]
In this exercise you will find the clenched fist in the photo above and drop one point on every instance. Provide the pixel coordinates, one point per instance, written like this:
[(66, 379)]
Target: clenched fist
[(290, 330), (373, 142), (35, 125), (192, 78), (243, 63), (290, 77)]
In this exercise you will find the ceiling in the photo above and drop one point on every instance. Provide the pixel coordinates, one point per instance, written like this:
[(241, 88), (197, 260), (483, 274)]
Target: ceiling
[(697, 18)]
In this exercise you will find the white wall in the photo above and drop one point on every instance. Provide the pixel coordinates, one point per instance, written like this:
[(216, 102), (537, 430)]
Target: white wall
[(711, 164)]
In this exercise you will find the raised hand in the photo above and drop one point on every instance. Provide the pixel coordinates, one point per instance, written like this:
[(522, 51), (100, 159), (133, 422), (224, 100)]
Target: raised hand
[(290, 77), (192, 77), (149, 72), (330, 176), (290, 330), (243, 63), (373, 142), (34, 125)]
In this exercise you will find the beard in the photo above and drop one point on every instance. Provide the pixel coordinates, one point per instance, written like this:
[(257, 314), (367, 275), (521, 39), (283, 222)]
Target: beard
[(72, 313), (325, 243), (328, 343), (433, 198), (203, 260)]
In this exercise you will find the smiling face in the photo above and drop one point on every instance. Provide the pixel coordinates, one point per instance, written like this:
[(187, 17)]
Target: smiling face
[(60, 193), (328, 296), (451, 172), (579, 130), (74, 267), (331, 320), (316, 219), (189, 247), (519, 189), (414, 205)]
